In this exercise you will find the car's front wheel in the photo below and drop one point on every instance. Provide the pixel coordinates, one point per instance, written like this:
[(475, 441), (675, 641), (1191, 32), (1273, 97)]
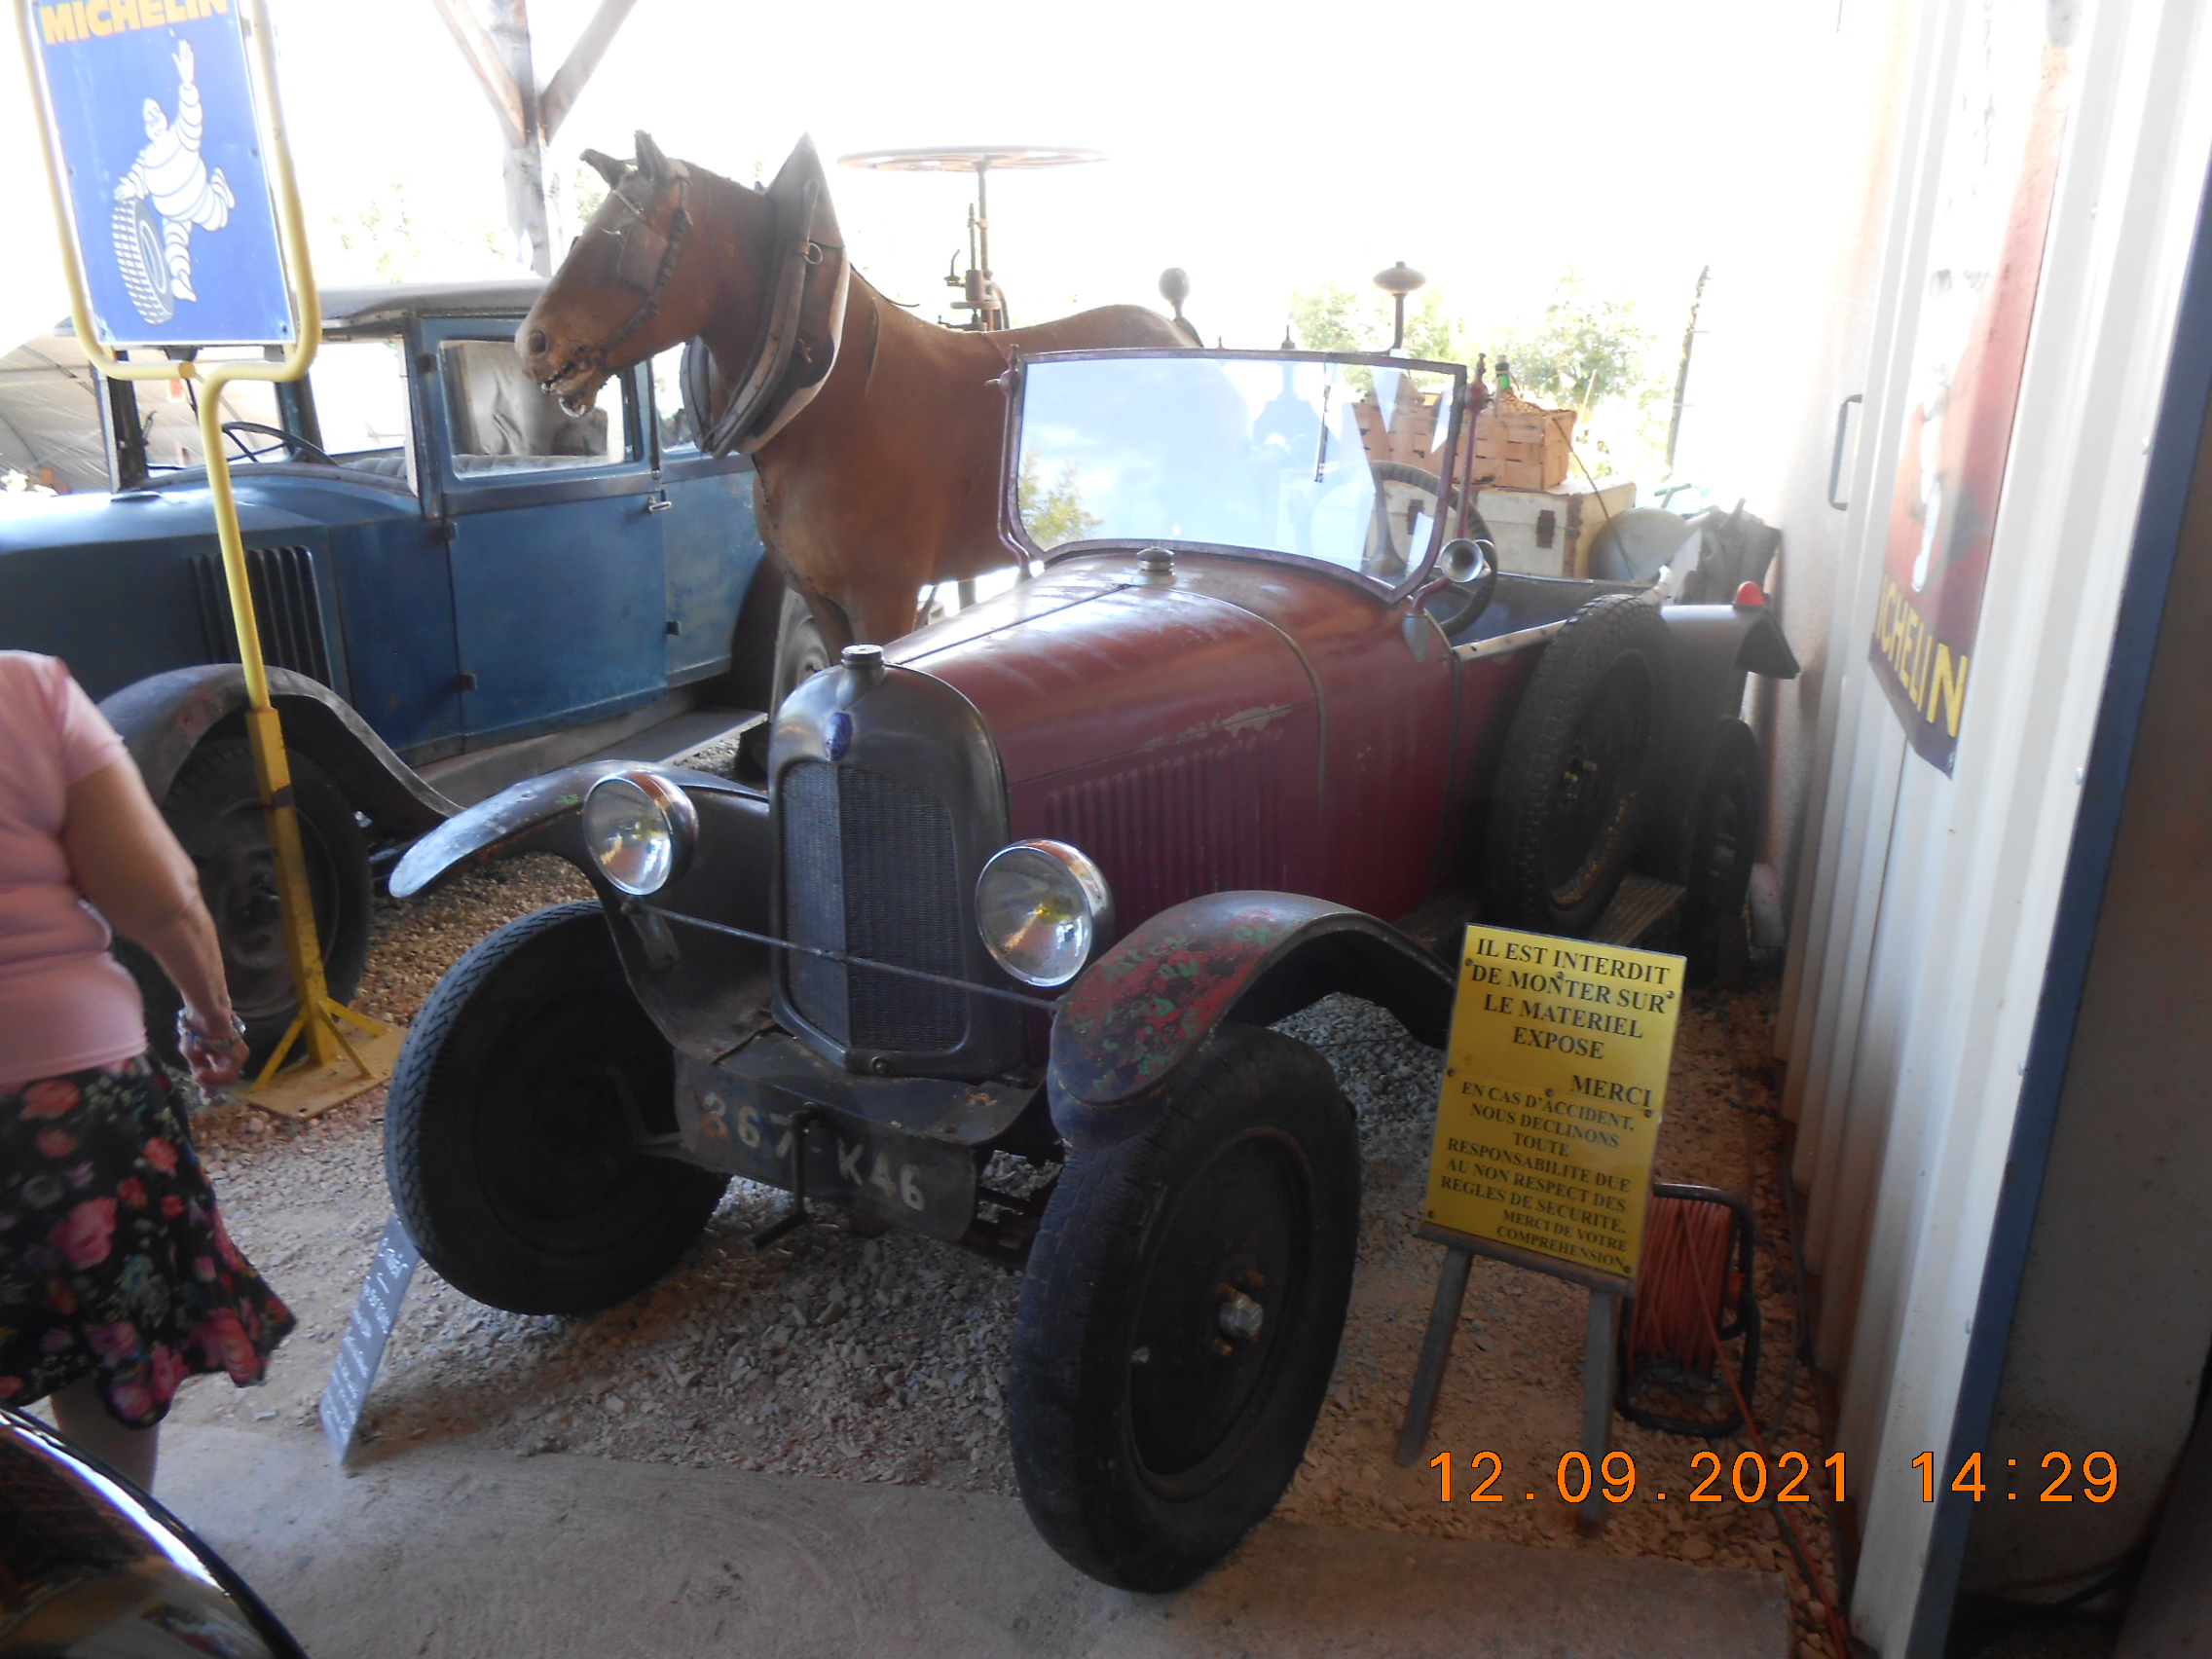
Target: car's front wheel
[(800, 650), (1181, 1313), (516, 1128)]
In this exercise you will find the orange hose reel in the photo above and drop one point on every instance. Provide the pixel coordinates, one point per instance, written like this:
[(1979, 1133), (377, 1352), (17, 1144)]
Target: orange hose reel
[(1694, 1295)]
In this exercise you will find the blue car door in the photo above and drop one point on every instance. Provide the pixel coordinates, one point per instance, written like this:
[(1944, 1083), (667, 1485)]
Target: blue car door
[(710, 539), (709, 534), (559, 581)]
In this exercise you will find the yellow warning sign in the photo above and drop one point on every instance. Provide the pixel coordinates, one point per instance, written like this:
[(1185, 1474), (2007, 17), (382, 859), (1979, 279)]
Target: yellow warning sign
[(1554, 1086)]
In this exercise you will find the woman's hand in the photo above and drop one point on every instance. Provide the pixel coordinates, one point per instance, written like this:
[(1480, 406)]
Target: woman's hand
[(216, 1061)]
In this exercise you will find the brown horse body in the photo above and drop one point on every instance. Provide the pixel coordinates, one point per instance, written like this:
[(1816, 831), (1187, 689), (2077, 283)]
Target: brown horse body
[(888, 481)]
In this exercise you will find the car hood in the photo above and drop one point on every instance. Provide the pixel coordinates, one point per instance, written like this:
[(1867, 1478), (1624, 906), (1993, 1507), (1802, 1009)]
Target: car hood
[(144, 515), (1093, 662)]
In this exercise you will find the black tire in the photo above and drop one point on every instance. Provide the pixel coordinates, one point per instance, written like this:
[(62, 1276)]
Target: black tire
[(215, 809), (1578, 776), (1145, 1472), (800, 650), (510, 1134), (1724, 844)]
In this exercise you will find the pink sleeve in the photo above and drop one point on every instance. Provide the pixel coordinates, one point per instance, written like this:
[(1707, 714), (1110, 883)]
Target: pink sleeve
[(87, 743)]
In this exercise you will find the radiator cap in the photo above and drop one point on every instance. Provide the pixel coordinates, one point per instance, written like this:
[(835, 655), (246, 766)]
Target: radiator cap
[(865, 663)]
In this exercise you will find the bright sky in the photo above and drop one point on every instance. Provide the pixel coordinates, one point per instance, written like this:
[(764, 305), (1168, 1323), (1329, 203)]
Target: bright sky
[(1262, 149)]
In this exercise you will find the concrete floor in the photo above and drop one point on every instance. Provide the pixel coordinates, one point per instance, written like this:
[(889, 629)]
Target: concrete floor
[(448, 1550)]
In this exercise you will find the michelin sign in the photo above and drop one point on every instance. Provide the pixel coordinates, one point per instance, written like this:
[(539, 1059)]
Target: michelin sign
[(151, 108)]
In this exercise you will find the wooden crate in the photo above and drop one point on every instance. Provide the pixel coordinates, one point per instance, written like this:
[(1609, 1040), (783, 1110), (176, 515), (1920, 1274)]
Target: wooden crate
[(1521, 446), (1409, 432), (1547, 532)]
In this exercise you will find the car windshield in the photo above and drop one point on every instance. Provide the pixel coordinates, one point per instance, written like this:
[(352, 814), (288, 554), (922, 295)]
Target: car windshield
[(1331, 459)]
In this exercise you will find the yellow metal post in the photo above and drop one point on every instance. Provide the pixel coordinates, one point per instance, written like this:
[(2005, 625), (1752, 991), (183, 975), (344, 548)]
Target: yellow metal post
[(335, 1066)]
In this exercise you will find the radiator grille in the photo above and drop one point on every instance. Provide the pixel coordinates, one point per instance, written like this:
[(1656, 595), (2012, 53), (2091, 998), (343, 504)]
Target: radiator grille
[(869, 867), (287, 608), (1174, 828)]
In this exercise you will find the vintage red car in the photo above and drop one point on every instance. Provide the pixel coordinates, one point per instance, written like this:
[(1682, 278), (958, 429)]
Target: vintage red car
[(1038, 878)]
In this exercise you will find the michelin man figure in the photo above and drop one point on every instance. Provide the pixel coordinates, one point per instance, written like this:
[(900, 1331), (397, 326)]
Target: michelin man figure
[(171, 176)]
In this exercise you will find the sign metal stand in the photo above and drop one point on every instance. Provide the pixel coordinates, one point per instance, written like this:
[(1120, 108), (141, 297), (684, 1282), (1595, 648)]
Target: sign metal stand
[(1555, 1077), (338, 1063)]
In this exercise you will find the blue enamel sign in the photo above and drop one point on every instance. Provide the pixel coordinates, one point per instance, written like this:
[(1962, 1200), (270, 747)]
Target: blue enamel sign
[(152, 109)]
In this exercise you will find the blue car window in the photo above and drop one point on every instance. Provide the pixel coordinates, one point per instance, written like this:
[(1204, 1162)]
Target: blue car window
[(505, 422), (676, 432), (360, 401), (170, 420)]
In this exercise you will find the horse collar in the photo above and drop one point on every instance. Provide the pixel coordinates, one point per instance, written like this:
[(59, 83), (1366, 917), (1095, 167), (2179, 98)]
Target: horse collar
[(795, 345)]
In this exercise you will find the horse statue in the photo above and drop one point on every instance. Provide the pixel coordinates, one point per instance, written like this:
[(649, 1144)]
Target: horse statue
[(876, 436)]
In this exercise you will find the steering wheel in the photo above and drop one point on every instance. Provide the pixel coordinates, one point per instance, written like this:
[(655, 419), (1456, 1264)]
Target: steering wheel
[(1403, 496), (291, 441)]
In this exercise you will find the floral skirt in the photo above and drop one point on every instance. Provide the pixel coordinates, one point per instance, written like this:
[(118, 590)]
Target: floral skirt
[(114, 1263)]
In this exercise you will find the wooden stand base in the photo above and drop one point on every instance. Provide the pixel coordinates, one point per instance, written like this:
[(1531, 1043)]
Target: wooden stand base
[(1608, 1293)]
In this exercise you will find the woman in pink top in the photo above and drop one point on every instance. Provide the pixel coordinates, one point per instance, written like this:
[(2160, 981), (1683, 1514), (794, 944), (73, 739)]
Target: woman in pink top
[(117, 1281)]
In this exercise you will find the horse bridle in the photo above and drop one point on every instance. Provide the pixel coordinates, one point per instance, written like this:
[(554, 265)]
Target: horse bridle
[(672, 250)]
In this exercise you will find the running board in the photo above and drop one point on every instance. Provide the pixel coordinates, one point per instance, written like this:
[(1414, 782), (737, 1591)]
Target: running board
[(661, 731), (1646, 913)]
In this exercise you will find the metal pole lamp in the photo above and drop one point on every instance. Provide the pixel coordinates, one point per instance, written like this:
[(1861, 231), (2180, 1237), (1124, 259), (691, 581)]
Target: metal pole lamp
[(1398, 282)]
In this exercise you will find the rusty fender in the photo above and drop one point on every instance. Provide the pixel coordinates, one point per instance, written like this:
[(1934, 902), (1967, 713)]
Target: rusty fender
[(163, 717), (1139, 1013)]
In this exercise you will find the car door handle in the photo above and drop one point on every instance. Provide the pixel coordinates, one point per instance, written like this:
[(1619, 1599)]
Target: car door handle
[(1835, 461), (658, 502)]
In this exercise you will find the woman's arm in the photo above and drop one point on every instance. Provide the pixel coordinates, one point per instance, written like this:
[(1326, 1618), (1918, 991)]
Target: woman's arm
[(123, 858)]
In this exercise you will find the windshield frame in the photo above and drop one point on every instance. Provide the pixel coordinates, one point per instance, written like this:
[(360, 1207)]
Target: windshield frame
[(1016, 536)]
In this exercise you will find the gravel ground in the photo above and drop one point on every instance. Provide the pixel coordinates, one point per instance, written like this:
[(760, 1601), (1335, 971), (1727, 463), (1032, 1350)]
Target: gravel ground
[(884, 1359)]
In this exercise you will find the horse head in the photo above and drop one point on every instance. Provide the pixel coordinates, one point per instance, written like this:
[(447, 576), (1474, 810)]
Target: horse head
[(676, 253), (631, 285)]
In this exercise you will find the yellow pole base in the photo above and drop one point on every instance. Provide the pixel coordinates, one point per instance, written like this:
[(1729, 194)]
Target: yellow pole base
[(312, 1088)]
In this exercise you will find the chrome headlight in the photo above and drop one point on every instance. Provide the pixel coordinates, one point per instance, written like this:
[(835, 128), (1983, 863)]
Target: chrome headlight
[(640, 829), (1042, 907)]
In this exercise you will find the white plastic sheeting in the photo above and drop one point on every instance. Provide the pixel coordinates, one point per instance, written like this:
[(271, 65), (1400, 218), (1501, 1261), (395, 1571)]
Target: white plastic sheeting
[(1920, 939)]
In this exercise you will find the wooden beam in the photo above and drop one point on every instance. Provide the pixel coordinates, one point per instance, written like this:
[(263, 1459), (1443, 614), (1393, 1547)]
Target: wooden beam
[(485, 57), (568, 83)]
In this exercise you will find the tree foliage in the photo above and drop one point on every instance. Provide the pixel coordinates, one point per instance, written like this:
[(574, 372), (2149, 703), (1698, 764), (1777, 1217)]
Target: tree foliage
[(1054, 514), (1331, 318), (389, 240), (1582, 350)]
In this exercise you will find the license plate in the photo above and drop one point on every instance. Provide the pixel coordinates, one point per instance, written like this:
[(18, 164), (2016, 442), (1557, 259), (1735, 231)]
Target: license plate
[(922, 1185)]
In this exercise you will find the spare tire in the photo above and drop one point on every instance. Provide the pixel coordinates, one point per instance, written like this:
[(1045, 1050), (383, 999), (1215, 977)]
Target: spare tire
[(1725, 844), (1578, 777)]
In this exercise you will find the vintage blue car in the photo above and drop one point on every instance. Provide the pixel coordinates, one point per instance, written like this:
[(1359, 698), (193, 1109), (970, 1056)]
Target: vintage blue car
[(458, 584)]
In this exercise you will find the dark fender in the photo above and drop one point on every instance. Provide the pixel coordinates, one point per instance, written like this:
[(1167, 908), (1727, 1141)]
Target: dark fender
[(539, 814), (1145, 1008), (163, 717), (1711, 647), (707, 991)]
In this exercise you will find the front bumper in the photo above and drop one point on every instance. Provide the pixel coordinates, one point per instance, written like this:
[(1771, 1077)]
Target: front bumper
[(904, 1150)]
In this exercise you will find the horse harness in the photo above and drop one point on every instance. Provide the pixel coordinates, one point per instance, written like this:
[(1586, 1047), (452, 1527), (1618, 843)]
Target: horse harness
[(801, 332)]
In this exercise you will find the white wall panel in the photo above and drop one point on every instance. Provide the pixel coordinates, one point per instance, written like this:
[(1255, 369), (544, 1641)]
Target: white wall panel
[(1920, 943)]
